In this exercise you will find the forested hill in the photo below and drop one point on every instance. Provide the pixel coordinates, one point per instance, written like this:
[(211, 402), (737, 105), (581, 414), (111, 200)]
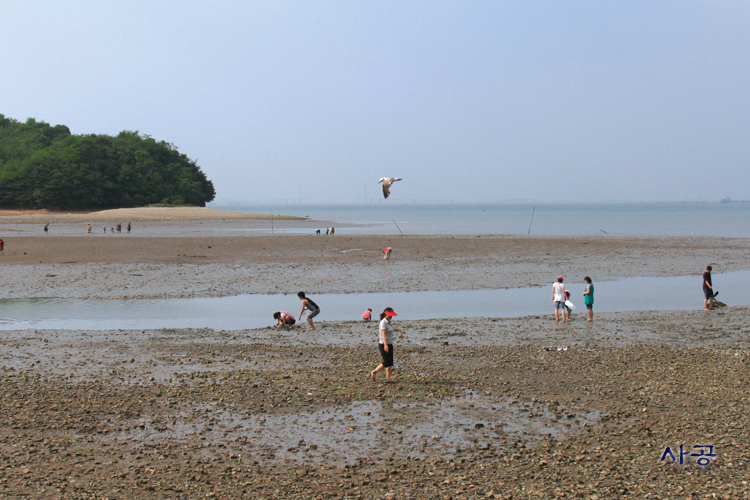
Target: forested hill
[(42, 166)]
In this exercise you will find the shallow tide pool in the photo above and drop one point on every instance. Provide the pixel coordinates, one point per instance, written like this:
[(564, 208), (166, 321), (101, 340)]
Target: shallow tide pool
[(254, 311)]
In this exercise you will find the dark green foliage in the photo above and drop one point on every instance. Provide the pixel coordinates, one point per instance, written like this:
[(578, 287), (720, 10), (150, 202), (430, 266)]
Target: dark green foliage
[(47, 167)]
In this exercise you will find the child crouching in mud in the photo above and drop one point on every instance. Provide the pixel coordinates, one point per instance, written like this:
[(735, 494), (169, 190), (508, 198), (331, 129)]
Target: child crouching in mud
[(284, 318)]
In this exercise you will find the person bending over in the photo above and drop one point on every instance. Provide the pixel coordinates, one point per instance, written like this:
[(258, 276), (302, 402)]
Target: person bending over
[(284, 318)]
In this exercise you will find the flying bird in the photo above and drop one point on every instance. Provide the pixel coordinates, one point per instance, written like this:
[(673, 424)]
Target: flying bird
[(387, 183)]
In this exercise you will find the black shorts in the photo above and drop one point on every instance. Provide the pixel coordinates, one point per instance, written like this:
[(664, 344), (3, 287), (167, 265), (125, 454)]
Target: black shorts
[(589, 306), (387, 356), (708, 293)]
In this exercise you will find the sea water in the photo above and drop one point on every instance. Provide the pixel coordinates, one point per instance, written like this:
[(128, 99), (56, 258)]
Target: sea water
[(253, 311), (623, 219)]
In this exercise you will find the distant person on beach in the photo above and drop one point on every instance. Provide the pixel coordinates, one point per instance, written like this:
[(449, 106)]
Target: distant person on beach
[(2, 247), (46, 228), (367, 315), (387, 253), (328, 231), (129, 227), (558, 298), (88, 228), (333, 230), (307, 303), (317, 231), (284, 318), (385, 344), (104, 228), (708, 289), (588, 298)]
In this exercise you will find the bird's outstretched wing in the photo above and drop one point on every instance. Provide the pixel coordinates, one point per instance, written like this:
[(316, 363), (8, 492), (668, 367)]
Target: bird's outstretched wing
[(387, 183)]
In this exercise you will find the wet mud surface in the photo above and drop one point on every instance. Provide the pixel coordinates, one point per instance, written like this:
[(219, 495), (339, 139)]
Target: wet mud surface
[(482, 407), (480, 410), (132, 266)]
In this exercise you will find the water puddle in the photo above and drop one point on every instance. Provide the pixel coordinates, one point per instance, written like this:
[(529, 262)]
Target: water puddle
[(255, 311), (365, 430)]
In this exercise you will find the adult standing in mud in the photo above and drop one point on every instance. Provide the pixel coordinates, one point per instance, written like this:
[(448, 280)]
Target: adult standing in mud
[(385, 344), (558, 298), (588, 298), (708, 289), (307, 303)]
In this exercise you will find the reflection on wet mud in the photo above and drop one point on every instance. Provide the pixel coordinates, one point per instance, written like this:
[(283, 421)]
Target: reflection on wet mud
[(367, 430)]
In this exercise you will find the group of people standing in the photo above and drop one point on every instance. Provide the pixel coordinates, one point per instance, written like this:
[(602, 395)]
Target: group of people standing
[(561, 298), (114, 229)]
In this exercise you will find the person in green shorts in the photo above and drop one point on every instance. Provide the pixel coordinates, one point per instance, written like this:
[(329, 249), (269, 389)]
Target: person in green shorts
[(588, 298)]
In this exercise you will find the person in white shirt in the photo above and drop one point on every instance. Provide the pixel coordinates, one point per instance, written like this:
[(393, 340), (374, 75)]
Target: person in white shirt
[(385, 344), (558, 298)]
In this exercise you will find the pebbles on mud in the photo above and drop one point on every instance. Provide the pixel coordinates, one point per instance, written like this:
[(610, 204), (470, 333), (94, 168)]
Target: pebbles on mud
[(533, 423)]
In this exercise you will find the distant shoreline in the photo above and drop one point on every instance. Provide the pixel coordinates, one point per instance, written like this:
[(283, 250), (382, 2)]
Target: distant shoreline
[(132, 214), (430, 203)]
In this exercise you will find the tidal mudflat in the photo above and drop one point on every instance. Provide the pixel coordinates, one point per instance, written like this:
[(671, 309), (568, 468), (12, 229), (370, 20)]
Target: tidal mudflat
[(483, 407)]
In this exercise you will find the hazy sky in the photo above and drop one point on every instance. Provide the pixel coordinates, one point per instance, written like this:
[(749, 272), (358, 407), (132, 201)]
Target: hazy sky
[(466, 100)]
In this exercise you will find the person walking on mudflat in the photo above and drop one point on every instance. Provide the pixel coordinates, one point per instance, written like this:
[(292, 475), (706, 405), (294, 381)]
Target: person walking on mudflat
[(558, 298), (708, 290), (588, 298), (385, 344), (307, 303)]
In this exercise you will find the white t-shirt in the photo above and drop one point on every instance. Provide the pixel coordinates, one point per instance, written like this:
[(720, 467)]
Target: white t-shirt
[(558, 291), (385, 325)]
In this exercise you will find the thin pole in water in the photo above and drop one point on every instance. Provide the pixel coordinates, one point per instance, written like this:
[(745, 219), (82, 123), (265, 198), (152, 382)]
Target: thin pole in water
[(399, 229), (271, 221), (532, 219)]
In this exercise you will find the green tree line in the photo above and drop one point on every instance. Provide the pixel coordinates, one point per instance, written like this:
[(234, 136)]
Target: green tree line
[(42, 166)]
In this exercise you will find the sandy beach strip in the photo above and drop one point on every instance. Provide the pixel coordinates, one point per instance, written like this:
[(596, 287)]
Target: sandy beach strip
[(129, 214)]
